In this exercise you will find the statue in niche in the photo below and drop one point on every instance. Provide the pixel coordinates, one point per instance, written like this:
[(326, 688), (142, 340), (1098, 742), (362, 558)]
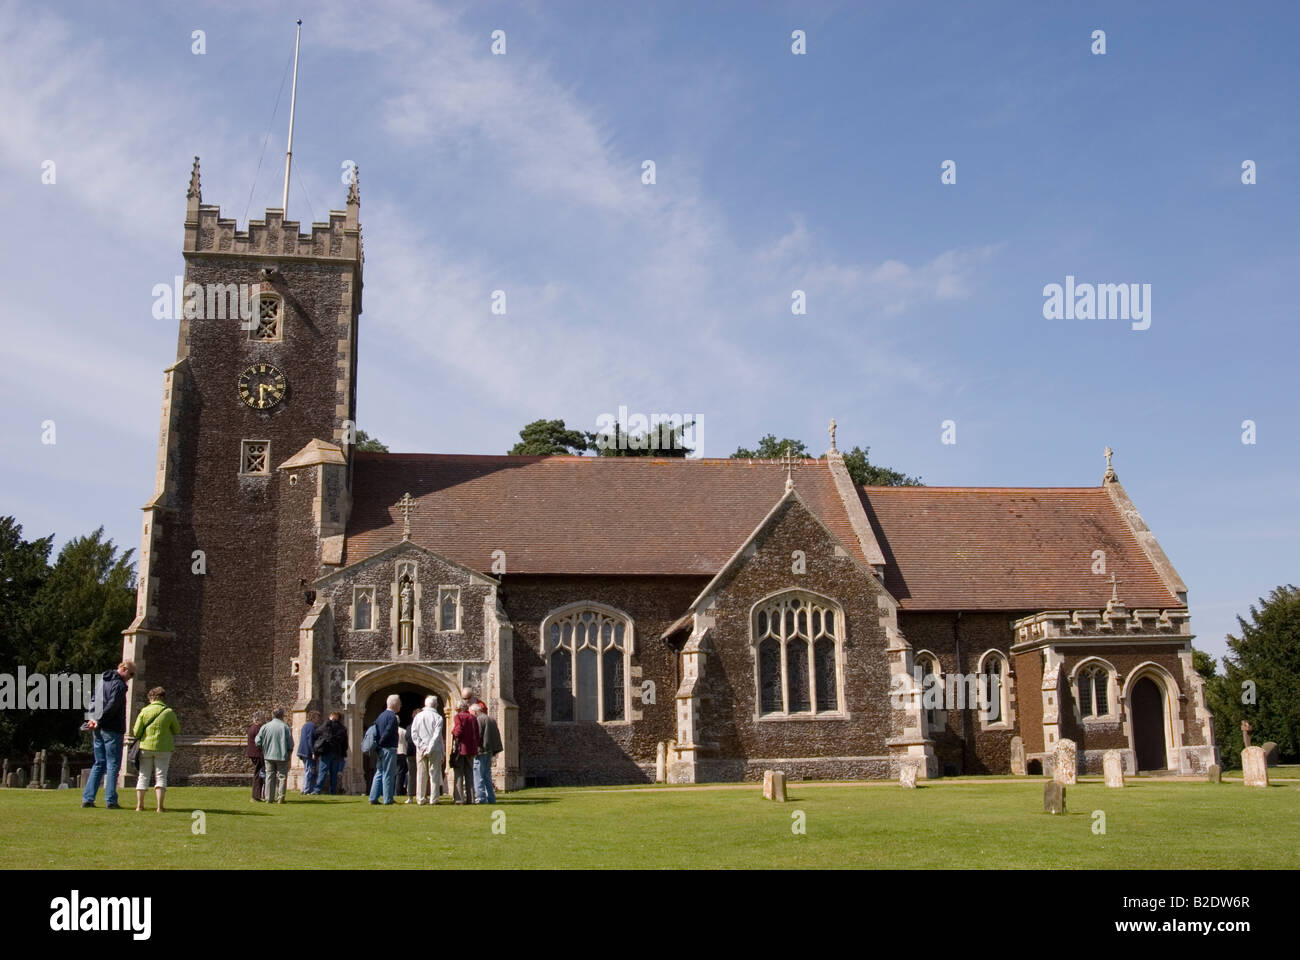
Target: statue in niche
[(406, 614)]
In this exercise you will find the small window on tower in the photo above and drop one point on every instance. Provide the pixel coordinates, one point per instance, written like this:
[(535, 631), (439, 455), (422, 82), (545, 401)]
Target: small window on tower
[(255, 458), (270, 310)]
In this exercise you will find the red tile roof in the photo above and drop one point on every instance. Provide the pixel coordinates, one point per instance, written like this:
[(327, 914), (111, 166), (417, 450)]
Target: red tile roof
[(955, 549), (998, 548)]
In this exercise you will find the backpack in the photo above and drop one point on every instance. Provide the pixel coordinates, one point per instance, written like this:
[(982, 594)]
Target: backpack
[(370, 742)]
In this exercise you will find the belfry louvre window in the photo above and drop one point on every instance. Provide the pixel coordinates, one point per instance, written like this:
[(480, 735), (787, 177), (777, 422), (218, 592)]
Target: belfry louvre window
[(268, 325), (587, 652), (798, 639), (255, 458)]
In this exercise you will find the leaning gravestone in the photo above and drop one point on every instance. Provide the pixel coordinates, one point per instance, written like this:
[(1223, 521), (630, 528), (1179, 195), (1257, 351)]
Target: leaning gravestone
[(1253, 768), (1053, 797), (1112, 765), (1066, 767), (1214, 774), (1018, 768), (774, 785), (907, 773), (1270, 754)]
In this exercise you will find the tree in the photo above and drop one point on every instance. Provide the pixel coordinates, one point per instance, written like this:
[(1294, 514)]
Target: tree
[(867, 474), (369, 443), (862, 471), (1261, 679), (770, 448), (65, 618), (547, 438), (663, 440)]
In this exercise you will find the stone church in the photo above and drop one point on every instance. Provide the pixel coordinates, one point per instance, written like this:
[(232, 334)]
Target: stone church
[(623, 618)]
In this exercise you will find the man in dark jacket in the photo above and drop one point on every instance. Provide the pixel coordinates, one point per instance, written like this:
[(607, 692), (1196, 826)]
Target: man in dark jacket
[(255, 757), (489, 745), (107, 725), (307, 753), (464, 748), (332, 751), (386, 743)]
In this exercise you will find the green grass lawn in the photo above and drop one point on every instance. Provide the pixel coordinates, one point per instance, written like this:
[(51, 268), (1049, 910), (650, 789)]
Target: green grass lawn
[(965, 824)]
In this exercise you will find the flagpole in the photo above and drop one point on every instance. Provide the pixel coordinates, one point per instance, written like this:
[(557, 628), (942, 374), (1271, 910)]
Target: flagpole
[(293, 96)]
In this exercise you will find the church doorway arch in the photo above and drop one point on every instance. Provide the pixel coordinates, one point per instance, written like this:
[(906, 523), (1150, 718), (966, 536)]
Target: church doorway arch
[(1151, 702), (1148, 706), (412, 682)]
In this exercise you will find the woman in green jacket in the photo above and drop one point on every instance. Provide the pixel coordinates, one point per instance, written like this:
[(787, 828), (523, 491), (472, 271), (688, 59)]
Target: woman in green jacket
[(156, 728)]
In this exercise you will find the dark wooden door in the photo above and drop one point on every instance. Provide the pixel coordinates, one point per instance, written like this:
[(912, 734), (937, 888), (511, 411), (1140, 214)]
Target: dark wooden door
[(1148, 725)]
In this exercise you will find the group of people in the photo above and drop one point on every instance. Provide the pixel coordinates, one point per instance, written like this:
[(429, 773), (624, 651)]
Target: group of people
[(418, 753), (154, 731), (323, 749), (415, 754)]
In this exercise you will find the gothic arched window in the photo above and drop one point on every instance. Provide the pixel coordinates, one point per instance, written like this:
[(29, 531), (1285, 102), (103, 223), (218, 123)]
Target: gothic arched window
[(993, 679), (448, 608), (587, 648), (931, 700), (798, 652), (1094, 691)]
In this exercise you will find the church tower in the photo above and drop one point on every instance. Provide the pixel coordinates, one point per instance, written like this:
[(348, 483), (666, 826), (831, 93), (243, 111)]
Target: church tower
[(265, 373)]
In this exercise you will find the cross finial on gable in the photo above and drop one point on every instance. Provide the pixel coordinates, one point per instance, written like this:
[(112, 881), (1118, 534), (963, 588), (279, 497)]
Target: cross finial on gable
[(790, 461), (406, 505), (832, 432), (1110, 471)]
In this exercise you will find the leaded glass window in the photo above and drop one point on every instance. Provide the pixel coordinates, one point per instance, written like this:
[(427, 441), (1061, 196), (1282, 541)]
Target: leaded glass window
[(798, 655), (588, 649)]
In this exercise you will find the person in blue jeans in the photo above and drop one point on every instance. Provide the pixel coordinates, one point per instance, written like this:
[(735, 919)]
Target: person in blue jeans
[(489, 745), (386, 741), (107, 725), (307, 753), (332, 748)]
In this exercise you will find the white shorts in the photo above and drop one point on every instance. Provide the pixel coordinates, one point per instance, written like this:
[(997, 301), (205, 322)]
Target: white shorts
[(153, 765)]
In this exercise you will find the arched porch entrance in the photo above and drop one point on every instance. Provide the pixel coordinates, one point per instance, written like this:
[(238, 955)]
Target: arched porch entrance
[(1154, 733), (410, 681)]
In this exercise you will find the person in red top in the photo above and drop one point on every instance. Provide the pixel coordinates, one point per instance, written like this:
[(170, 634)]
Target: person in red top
[(464, 747)]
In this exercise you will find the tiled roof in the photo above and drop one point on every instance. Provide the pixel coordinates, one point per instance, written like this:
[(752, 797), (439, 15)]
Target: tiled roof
[(998, 548), (958, 549)]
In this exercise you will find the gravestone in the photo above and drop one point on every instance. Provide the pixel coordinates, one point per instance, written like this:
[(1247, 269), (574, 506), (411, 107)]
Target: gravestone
[(1214, 774), (1253, 767), (4, 777), (1065, 770), (83, 778), (1018, 768), (774, 785), (11, 779), (1112, 765), (65, 775), (661, 762), (907, 773), (1053, 797), (20, 778), (1270, 754)]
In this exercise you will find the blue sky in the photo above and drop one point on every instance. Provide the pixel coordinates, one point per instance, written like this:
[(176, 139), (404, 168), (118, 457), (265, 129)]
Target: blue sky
[(774, 172)]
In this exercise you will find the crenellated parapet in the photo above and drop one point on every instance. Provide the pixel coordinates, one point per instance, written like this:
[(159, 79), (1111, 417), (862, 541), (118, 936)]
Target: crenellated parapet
[(207, 231), (1114, 622)]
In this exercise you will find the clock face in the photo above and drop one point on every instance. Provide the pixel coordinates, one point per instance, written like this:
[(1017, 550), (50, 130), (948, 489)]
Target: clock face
[(262, 386)]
